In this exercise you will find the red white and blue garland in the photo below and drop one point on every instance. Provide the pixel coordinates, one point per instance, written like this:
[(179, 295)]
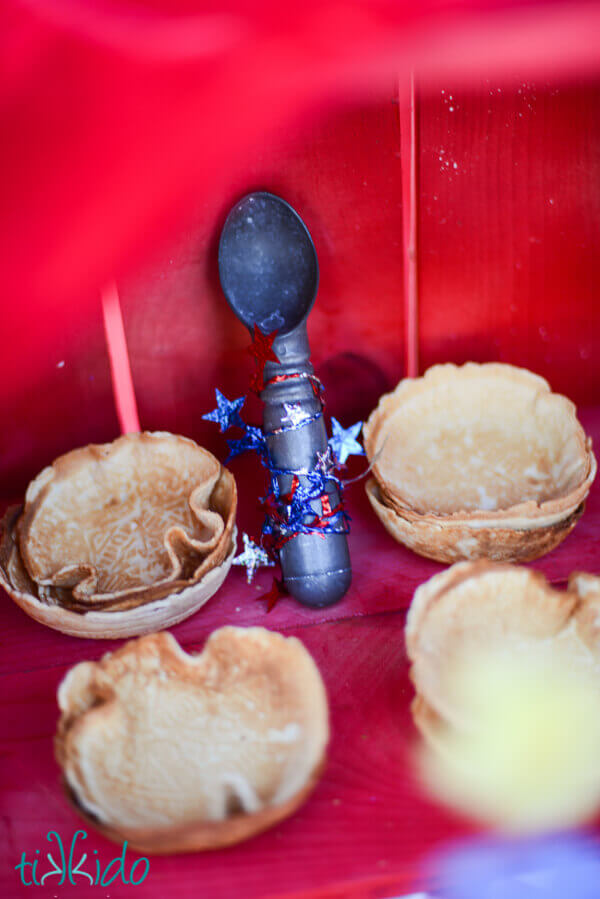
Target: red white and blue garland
[(291, 513)]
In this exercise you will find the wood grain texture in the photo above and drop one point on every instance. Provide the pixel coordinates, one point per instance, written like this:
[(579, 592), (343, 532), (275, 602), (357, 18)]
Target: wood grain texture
[(365, 829), (367, 818), (510, 228), (508, 268), (71, 403), (342, 175)]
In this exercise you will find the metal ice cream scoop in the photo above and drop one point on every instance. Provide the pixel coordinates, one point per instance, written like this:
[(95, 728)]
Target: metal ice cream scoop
[(269, 275)]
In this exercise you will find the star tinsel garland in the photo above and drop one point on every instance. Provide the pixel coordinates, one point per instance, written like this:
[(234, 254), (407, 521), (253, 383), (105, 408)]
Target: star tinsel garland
[(293, 512)]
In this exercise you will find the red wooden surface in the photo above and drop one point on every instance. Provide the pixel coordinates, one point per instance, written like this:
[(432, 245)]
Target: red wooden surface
[(510, 228), (366, 818), (367, 827)]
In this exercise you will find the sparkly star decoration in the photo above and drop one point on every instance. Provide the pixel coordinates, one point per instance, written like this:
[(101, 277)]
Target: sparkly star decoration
[(227, 413), (251, 558), (343, 442), (273, 596), (295, 415), (325, 462), (253, 440), (262, 350)]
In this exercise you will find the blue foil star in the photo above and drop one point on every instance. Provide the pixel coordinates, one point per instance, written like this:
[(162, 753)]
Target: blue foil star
[(252, 558), (227, 413), (343, 442), (253, 439)]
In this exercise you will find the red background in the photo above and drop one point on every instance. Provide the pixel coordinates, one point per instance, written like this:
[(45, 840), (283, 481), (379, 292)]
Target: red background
[(508, 266)]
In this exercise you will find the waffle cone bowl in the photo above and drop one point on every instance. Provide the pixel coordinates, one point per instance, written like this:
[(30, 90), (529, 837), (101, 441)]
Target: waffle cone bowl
[(478, 461), (507, 610), (120, 539), (507, 676), (177, 753)]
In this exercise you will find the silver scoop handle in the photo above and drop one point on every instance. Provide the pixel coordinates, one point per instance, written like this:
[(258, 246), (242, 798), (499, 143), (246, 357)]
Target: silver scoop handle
[(316, 567)]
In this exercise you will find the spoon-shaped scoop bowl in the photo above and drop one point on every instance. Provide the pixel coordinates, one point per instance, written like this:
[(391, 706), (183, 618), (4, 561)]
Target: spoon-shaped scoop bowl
[(269, 275), (268, 264)]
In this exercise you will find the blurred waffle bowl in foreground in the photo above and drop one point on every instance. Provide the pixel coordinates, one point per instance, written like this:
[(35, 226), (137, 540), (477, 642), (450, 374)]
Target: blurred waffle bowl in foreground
[(507, 677), (476, 607)]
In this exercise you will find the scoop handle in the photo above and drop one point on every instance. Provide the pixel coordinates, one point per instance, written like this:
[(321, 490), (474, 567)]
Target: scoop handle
[(316, 567)]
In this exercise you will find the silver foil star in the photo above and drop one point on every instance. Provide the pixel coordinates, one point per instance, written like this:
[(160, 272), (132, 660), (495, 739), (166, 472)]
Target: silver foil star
[(294, 414), (252, 557), (343, 442), (325, 461)]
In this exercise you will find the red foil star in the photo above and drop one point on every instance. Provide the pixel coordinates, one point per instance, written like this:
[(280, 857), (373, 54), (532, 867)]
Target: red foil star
[(274, 595), (262, 350)]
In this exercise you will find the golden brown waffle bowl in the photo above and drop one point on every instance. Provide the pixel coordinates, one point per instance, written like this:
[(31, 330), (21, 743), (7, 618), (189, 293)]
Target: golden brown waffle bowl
[(178, 753), (121, 539), (453, 541), (478, 461), (505, 610)]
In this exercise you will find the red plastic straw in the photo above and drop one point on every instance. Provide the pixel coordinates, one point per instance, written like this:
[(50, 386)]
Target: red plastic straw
[(120, 368), (408, 157)]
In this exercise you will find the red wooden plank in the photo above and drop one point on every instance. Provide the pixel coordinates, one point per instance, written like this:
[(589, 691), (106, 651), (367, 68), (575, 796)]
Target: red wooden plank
[(342, 174), (116, 346), (70, 404), (409, 150), (367, 818), (118, 128), (508, 267), (510, 228)]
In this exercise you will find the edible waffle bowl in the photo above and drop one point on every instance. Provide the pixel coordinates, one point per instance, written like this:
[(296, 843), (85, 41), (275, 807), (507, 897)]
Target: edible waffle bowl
[(120, 539), (507, 674), (506, 610), (478, 461), (176, 752)]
